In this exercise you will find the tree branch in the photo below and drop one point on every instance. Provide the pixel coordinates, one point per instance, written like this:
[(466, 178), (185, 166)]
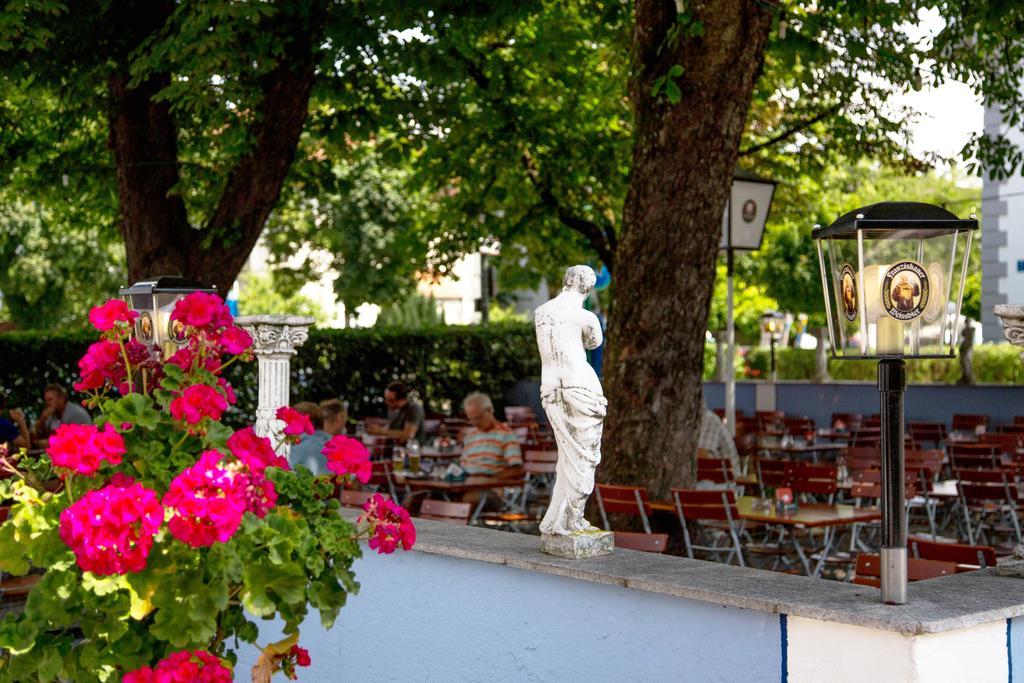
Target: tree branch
[(602, 239), (786, 134)]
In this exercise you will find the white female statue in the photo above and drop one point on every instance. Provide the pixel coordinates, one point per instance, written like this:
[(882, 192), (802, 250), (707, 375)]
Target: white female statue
[(575, 405)]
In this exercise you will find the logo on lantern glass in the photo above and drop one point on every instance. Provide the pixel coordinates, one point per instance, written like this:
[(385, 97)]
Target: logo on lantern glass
[(176, 331), (905, 290), (146, 328), (749, 210), (848, 292)]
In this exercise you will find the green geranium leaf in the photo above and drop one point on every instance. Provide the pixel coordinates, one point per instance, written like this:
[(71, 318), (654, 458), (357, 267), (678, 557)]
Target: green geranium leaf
[(135, 409)]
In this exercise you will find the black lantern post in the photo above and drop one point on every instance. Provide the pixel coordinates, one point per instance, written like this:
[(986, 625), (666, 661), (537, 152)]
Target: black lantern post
[(893, 278), (154, 301)]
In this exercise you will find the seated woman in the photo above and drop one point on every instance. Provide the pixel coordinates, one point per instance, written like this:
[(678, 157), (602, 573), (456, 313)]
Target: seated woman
[(308, 451), (13, 427)]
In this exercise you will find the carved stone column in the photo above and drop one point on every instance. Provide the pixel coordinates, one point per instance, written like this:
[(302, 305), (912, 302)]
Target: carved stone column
[(1012, 317), (275, 338)]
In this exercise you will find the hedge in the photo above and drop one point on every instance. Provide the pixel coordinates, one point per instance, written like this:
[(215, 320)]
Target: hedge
[(442, 364), (993, 364)]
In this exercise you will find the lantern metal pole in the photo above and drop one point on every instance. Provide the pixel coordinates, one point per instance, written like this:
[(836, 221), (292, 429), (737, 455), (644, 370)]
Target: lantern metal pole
[(892, 381), (730, 342)]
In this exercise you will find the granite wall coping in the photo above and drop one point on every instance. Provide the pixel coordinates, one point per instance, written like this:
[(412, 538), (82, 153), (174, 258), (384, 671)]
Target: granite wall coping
[(935, 606)]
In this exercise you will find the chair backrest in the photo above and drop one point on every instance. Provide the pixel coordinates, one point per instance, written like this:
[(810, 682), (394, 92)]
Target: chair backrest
[(815, 479), (980, 556), (929, 460), (771, 472), (798, 425), (626, 500), (872, 421), (862, 458), (968, 423), (865, 436), (993, 476), (522, 434), (356, 499), (718, 470), (985, 493), (869, 569), (1015, 428), (701, 504), (1007, 443), (445, 511), (974, 460), (869, 476), (634, 540), (933, 432), (518, 414)]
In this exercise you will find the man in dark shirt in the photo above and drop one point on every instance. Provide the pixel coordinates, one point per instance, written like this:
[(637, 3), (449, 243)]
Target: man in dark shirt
[(405, 416)]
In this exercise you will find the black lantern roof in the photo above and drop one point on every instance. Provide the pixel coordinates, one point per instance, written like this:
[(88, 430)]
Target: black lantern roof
[(911, 219), (166, 283)]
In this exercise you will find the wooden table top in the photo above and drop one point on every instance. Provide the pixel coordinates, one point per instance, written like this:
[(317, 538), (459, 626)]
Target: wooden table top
[(806, 515)]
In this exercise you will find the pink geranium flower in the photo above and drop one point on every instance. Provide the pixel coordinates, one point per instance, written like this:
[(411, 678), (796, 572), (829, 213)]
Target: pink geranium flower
[(195, 666), (106, 317), (255, 451), (202, 310), (101, 364), (346, 455), (206, 501), (235, 340), (390, 525), (197, 403), (111, 529), (83, 448), (295, 423)]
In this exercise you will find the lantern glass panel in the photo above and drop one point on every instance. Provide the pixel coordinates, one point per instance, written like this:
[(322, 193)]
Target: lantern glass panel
[(895, 292)]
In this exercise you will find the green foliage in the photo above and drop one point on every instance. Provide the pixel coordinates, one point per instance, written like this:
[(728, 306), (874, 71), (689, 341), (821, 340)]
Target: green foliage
[(443, 364), (993, 364), (413, 312), (49, 276), (261, 294)]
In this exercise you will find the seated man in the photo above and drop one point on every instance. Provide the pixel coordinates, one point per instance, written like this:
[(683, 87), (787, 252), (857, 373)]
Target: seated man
[(489, 447), (405, 416), (716, 441), (58, 411), (308, 451), (335, 416)]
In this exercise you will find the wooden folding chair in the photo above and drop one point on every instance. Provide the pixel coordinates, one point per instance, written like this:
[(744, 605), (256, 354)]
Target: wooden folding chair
[(445, 511), (771, 472), (848, 420), (988, 502), (625, 500), (381, 476), (648, 543), (869, 569), (1008, 443), (865, 436), (970, 456), (539, 467), (932, 433), (967, 557), (812, 480), (713, 511)]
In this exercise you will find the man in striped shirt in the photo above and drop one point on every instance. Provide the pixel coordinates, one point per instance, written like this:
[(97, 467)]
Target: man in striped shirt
[(489, 447)]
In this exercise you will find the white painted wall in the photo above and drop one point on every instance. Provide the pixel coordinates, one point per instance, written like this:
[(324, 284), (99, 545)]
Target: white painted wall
[(829, 651)]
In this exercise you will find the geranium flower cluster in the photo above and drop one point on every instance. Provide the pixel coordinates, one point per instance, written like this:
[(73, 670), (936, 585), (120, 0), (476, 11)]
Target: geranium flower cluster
[(83, 448), (113, 317), (346, 455), (186, 666), (255, 451), (111, 529), (197, 403), (389, 524), (296, 656), (207, 502), (295, 423)]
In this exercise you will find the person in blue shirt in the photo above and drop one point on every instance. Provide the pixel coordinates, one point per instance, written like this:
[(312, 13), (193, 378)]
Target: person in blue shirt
[(13, 427), (308, 451)]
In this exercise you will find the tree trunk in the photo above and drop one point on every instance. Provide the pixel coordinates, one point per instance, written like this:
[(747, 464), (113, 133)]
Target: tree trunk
[(683, 162), (158, 237)]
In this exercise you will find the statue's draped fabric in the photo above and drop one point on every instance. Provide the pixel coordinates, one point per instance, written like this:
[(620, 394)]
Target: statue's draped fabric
[(576, 416)]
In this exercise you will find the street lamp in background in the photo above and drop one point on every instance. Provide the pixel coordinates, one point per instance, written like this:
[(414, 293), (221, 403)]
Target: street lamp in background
[(772, 325), (892, 270), (743, 223)]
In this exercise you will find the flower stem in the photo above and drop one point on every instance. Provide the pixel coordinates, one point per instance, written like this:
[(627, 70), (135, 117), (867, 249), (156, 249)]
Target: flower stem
[(127, 365)]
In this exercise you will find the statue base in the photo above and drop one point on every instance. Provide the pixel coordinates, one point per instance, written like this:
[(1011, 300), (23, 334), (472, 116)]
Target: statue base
[(1013, 568), (578, 545)]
